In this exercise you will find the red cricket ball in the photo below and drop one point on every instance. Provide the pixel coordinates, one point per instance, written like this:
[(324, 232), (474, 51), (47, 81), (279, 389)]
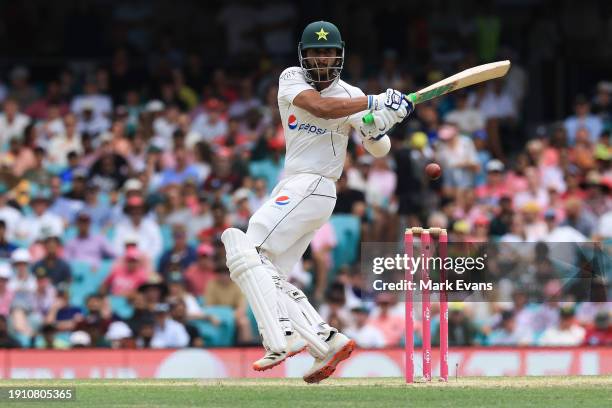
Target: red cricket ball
[(433, 171)]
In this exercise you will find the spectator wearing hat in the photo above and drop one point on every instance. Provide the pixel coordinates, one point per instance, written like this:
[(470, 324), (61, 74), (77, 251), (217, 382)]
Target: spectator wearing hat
[(535, 228), (210, 124), (565, 333), (366, 335), (12, 121), (200, 272), (41, 221), (6, 247), (495, 186), (167, 332), (119, 335), (180, 256), (86, 246), (56, 268), (127, 274), (23, 284), (457, 155), (136, 224), (6, 294), (583, 118), (242, 211)]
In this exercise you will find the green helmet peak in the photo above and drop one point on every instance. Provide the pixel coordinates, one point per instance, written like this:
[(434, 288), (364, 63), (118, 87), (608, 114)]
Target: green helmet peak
[(317, 35)]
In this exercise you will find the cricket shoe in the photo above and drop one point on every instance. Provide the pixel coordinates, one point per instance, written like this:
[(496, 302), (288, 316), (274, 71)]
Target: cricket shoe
[(340, 348), (295, 345)]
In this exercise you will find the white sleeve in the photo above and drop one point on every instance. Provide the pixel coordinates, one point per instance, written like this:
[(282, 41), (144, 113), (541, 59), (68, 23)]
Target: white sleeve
[(290, 83)]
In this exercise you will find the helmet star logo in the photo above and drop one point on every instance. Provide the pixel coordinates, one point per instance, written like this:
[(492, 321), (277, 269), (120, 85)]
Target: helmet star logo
[(322, 34)]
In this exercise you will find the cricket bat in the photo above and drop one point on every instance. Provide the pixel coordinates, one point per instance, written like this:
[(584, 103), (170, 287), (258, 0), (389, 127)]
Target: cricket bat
[(463, 79)]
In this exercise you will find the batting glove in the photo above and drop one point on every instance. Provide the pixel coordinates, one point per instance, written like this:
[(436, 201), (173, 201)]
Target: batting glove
[(391, 99)]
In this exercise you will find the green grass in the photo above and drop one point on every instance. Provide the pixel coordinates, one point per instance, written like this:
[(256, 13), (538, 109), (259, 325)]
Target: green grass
[(583, 392)]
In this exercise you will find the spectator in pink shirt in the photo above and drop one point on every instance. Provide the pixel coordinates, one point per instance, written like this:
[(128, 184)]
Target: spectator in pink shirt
[(127, 274), (390, 324)]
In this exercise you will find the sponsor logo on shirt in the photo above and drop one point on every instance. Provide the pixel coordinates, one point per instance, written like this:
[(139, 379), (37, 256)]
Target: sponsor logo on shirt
[(282, 200), (312, 129), (292, 122)]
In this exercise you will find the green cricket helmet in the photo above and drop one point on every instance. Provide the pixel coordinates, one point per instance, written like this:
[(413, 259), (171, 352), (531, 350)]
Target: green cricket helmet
[(321, 34)]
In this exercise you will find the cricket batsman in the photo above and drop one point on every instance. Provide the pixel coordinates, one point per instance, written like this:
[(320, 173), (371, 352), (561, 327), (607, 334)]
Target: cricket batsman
[(318, 112)]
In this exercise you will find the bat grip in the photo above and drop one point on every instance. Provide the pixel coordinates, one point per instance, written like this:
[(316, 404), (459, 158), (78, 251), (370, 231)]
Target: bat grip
[(368, 118)]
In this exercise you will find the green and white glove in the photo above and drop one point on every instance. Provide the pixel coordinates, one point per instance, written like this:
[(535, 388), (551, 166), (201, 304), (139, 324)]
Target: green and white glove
[(390, 99), (384, 120)]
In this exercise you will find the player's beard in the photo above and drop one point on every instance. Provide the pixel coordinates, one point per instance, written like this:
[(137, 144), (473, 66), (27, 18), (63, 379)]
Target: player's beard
[(323, 73)]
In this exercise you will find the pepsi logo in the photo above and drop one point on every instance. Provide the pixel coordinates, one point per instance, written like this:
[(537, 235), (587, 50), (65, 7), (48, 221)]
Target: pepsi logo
[(292, 122), (281, 200)]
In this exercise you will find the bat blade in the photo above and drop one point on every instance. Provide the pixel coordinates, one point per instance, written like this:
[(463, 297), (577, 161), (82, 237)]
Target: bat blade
[(463, 79)]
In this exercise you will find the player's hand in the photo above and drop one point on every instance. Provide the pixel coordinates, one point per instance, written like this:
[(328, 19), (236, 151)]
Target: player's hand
[(390, 99), (384, 120)]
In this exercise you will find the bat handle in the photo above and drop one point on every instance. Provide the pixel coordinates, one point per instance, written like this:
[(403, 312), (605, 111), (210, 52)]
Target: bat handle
[(368, 118)]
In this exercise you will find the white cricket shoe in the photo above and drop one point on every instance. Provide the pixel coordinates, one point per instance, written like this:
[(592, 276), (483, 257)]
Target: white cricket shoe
[(340, 348), (295, 345)]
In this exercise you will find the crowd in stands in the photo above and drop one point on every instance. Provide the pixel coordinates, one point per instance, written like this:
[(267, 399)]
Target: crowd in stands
[(115, 186)]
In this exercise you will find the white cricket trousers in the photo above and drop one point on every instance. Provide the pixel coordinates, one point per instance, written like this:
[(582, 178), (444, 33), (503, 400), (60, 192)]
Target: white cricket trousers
[(284, 225)]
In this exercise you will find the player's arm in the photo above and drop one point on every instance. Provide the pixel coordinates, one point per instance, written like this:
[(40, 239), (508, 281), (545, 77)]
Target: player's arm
[(334, 108)]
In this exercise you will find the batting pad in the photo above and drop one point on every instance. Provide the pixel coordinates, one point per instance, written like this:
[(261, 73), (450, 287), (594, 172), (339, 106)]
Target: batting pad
[(249, 273)]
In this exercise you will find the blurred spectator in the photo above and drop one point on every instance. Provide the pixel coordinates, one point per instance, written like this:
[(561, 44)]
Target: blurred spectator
[(222, 291), (507, 334), (6, 340), (364, 334), (69, 140), (348, 200), (41, 222), (583, 118), (210, 124), (49, 339), (12, 122), (29, 310), (167, 332), (178, 312), (180, 256), (86, 246), (9, 214), (23, 284), (119, 335), (565, 333), (55, 267), (467, 119), (127, 273), (201, 271), (136, 224), (600, 333), (457, 155), (6, 247), (6, 293), (461, 330), (21, 90), (387, 320), (322, 245)]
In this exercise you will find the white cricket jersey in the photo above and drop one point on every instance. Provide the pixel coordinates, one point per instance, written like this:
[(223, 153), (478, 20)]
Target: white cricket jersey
[(314, 145)]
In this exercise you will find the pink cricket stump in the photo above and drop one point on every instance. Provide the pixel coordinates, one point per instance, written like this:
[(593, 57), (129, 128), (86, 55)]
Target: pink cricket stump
[(443, 250), (409, 346), (426, 302)]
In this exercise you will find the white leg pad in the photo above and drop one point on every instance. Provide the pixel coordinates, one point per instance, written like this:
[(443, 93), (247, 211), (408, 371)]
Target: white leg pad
[(251, 275), (309, 312), (317, 346)]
